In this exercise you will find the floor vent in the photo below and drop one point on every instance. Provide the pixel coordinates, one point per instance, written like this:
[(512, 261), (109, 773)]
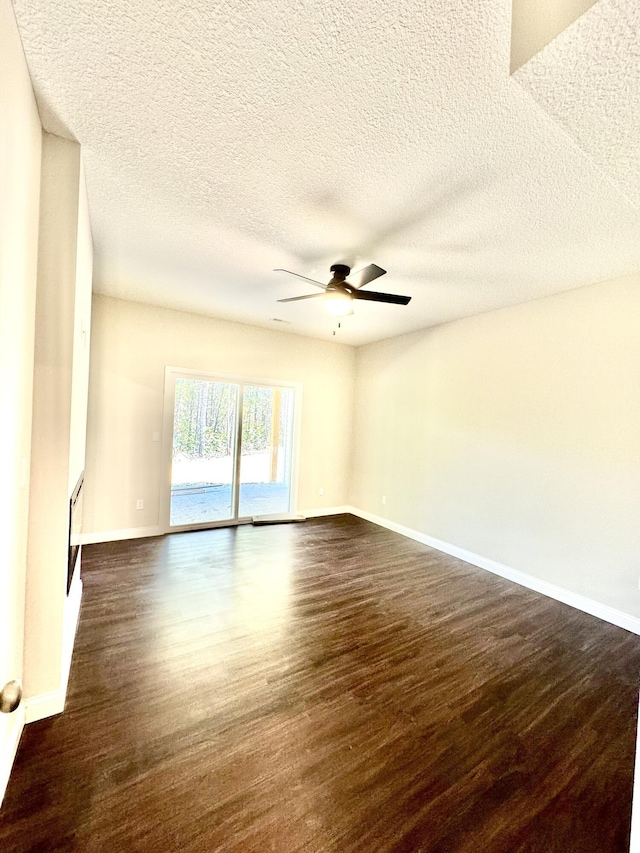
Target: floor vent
[(278, 518)]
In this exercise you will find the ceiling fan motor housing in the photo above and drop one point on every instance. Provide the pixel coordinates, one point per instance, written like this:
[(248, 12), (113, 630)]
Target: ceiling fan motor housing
[(338, 283), (340, 271)]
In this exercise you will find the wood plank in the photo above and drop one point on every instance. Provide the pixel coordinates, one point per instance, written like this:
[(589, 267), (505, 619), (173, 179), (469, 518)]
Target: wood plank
[(329, 686)]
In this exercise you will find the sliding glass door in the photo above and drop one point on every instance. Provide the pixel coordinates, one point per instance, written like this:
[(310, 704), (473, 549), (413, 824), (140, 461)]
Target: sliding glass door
[(204, 440), (264, 480), (231, 449)]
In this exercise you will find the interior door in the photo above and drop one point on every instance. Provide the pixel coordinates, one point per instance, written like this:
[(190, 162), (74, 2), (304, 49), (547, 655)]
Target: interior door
[(20, 139), (12, 603)]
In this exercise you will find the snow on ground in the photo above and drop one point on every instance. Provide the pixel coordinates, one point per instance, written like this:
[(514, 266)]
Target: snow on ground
[(201, 489), (255, 468)]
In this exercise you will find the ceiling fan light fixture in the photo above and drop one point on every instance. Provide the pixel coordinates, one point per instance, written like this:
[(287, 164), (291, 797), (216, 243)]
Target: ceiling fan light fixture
[(337, 303), (339, 293)]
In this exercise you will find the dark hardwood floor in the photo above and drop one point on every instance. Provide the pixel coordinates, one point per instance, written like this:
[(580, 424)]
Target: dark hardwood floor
[(327, 687)]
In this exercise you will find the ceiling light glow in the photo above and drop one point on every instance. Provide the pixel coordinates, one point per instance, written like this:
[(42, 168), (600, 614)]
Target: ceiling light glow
[(337, 303)]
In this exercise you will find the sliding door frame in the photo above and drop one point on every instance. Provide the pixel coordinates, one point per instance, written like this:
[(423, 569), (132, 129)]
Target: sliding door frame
[(170, 376)]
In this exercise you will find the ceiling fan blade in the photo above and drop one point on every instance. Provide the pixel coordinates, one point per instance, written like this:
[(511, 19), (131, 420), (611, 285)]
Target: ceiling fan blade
[(373, 296), (298, 298), (297, 275), (365, 275)]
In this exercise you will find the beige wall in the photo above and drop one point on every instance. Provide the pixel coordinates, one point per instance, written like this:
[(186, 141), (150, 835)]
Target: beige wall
[(81, 339), (64, 291), (515, 435), (131, 345), (42, 259), (20, 141)]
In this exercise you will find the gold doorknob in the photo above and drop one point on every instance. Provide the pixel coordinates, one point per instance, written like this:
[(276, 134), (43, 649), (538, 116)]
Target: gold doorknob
[(10, 696)]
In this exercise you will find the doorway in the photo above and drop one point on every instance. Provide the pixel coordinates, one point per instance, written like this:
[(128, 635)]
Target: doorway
[(230, 449)]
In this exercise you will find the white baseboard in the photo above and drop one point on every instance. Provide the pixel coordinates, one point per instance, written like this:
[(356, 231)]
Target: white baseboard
[(634, 845), (551, 590), (573, 599), (15, 724), (44, 705), (119, 535), (71, 619), (48, 704)]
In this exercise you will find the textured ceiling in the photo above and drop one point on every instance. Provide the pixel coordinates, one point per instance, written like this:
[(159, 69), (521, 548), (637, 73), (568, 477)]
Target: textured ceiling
[(588, 80), (534, 23), (223, 139)]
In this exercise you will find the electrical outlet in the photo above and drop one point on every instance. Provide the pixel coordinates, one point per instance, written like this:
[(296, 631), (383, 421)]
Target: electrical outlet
[(139, 504), (384, 499), (321, 490)]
